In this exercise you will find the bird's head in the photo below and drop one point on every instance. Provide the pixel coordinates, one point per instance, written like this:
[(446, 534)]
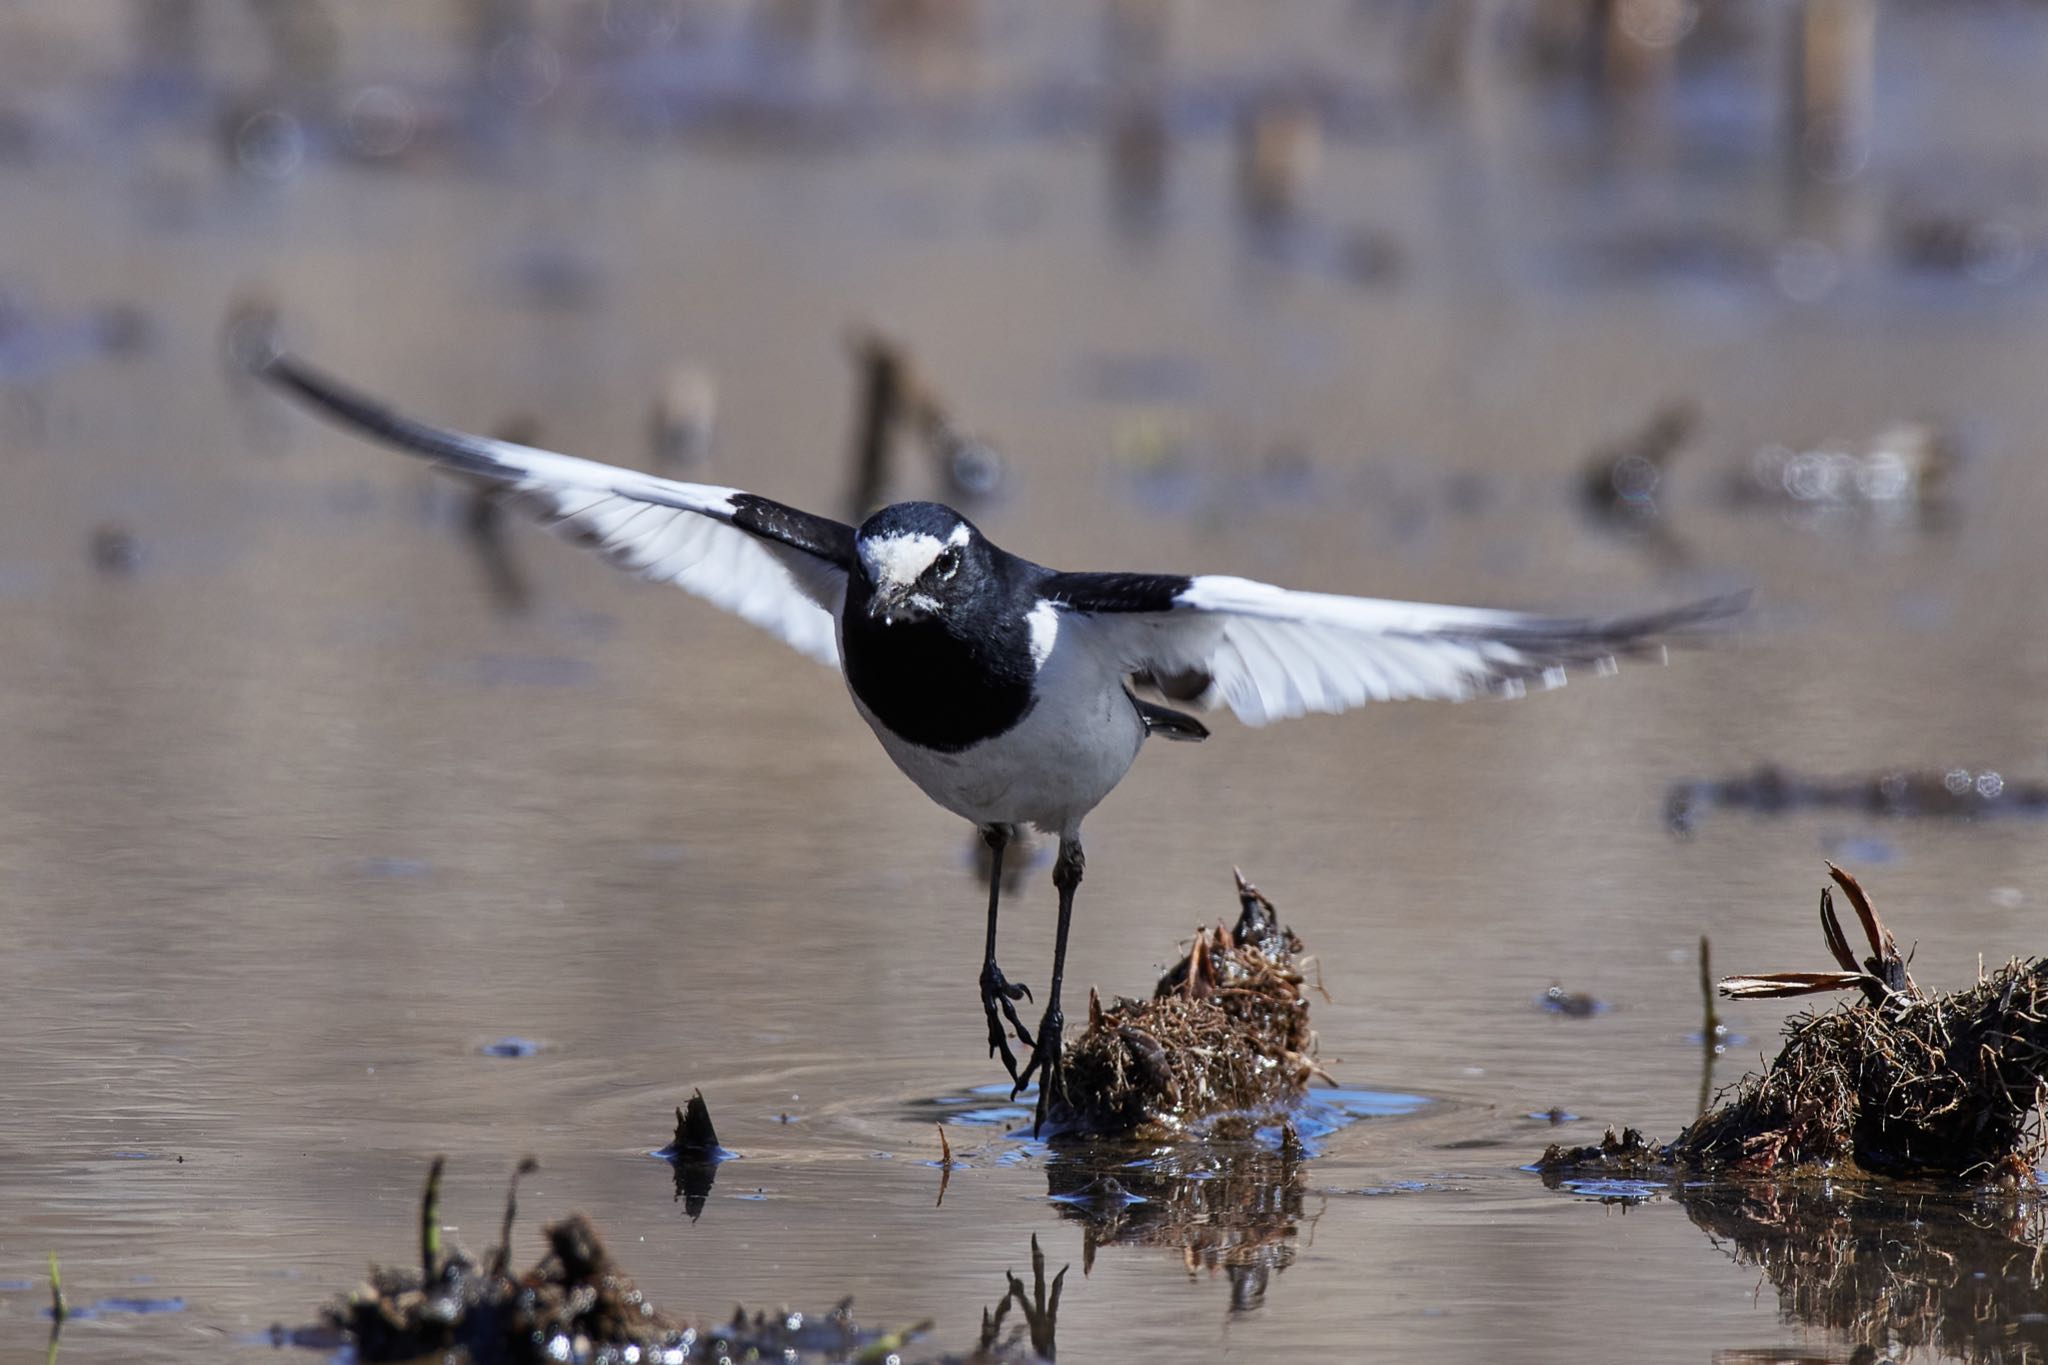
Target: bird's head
[(920, 560)]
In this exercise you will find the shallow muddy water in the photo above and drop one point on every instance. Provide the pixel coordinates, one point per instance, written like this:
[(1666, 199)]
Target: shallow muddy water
[(306, 814)]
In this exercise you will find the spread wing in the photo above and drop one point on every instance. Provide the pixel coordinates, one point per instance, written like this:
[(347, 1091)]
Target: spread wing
[(782, 569), (1269, 654)]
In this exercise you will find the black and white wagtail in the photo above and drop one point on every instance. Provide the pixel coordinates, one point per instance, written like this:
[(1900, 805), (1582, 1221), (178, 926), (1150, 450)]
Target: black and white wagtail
[(1002, 688)]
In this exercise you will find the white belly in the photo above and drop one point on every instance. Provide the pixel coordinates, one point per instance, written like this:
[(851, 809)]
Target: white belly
[(1053, 766)]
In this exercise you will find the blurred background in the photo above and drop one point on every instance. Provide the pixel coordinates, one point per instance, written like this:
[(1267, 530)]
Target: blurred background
[(345, 824)]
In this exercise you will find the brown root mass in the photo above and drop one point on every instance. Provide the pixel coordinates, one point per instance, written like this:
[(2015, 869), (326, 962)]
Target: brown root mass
[(1225, 1032), (1941, 1086), (1899, 1083), (574, 1295), (1628, 1157), (575, 1305)]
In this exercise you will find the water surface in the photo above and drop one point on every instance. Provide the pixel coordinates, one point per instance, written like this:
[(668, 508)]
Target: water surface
[(306, 823)]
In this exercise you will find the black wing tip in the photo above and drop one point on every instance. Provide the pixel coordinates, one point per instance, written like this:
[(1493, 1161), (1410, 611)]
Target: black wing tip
[(1721, 607), (1688, 618), (281, 369), (256, 347), (1639, 630), (275, 365), (1552, 646), (373, 418)]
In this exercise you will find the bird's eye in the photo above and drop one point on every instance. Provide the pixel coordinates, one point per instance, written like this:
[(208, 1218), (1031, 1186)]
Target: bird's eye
[(948, 563)]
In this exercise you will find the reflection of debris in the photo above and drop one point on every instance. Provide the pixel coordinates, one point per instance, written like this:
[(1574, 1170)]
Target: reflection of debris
[(1912, 1271), (945, 1165), (576, 1304), (1230, 1206), (59, 1312), (1899, 1083), (1226, 1031), (679, 430), (1908, 464), (1769, 790), (1623, 480)]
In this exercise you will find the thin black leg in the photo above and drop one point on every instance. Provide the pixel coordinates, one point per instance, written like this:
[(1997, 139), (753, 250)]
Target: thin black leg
[(998, 996), (1045, 1053)]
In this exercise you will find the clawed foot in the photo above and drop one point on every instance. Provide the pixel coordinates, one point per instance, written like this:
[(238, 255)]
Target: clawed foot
[(998, 999), (1046, 1062)]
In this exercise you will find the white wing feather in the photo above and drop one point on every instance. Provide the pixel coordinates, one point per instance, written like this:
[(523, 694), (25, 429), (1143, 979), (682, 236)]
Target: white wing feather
[(680, 533), (1270, 653), (677, 533)]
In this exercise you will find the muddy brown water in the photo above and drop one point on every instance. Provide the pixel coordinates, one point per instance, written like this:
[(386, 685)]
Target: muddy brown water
[(299, 819)]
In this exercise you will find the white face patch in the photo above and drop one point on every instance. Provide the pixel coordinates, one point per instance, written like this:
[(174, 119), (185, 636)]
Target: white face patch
[(1044, 621), (897, 561)]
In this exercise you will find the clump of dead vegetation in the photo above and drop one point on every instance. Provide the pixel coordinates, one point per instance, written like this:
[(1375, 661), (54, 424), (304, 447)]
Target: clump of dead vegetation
[(1225, 1032), (1898, 1083), (1630, 1156), (576, 1304)]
